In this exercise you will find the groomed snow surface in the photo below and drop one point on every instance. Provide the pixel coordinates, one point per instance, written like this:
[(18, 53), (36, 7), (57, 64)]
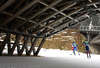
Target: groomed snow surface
[(52, 58), (58, 53)]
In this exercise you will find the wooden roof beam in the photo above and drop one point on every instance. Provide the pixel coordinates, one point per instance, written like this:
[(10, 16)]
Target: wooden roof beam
[(20, 22), (10, 14), (22, 18), (58, 27), (46, 26), (19, 12), (18, 4), (65, 7), (27, 12), (44, 9), (42, 26), (66, 16), (61, 18), (75, 11), (93, 4), (27, 27), (18, 32), (64, 3), (44, 32), (7, 4), (64, 24), (37, 30), (68, 6), (88, 4), (66, 28), (62, 9)]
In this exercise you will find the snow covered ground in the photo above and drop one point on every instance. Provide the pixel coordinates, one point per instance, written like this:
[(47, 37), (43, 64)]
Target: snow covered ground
[(58, 53), (54, 53), (53, 58)]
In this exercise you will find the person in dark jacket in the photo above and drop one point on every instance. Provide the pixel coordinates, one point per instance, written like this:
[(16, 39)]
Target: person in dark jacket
[(86, 43)]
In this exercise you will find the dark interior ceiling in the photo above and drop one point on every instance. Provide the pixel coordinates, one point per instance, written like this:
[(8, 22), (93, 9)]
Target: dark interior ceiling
[(43, 18)]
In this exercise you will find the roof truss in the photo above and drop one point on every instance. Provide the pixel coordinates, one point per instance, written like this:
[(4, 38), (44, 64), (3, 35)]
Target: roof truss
[(44, 17)]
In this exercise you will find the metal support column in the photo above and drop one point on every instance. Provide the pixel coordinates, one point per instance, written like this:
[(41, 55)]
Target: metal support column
[(25, 44), (6, 40), (33, 46), (9, 45), (15, 44), (40, 46), (18, 49)]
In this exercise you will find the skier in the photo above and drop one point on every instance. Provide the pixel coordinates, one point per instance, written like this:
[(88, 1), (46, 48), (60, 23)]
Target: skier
[(86, 43), (72, 47), (75, 47)]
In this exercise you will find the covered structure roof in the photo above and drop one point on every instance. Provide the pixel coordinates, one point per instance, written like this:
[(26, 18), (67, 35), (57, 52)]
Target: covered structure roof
[(43, 18)]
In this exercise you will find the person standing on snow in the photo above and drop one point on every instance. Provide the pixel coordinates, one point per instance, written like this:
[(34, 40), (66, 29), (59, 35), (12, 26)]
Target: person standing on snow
[(86, 43), (71, 46), (75, 47)]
